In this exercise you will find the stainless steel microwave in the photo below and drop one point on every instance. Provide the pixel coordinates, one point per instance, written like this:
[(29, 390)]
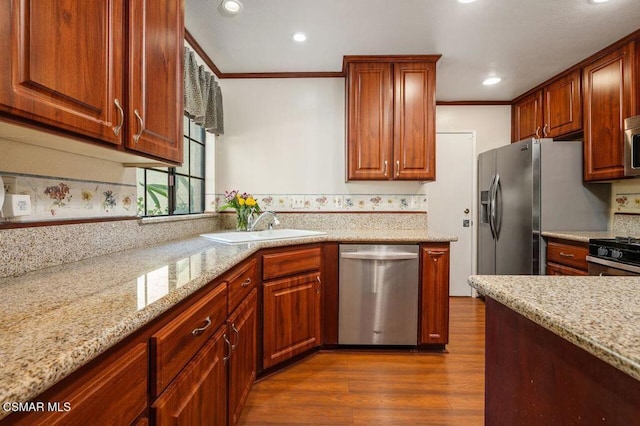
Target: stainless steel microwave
[(632, 146)]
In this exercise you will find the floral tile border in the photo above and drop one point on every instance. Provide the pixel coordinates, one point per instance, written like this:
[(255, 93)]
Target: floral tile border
[(627, 203), (56, 198), (335, 202)]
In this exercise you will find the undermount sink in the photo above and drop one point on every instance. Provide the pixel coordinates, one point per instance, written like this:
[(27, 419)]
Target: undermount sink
[(255, 236)]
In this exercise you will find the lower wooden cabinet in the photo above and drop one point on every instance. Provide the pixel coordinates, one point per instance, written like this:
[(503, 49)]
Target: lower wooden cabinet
[(566, 257), (434, 295), (242, 329), (292, 321), (198, 395)]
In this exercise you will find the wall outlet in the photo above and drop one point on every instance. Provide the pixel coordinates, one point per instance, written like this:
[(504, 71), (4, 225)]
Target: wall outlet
[(9, 184), (297, 202)]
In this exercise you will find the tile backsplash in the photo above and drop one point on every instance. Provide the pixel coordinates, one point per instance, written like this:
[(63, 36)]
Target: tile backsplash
[(335, 202), (56, 198)]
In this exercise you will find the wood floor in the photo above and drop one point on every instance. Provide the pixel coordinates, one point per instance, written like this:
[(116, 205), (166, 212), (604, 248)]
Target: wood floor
[(365, 388)]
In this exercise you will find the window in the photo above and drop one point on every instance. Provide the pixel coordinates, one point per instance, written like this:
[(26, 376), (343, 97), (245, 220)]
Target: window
[(166, 191)]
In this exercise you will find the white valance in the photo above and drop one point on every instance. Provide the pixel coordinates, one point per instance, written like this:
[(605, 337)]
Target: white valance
[(202, 95)]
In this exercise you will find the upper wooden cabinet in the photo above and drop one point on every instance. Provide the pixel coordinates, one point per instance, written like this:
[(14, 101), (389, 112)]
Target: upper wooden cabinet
[(608, 100), (391, 117), (551, 112), (155, 110), (67, 69)]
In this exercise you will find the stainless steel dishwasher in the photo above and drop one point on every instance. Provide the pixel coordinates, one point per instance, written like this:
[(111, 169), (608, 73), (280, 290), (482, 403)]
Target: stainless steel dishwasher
[(378, 302)]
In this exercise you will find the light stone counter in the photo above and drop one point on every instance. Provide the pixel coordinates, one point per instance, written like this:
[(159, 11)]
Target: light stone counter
[(580, 236), (55, 320), (598, 314)]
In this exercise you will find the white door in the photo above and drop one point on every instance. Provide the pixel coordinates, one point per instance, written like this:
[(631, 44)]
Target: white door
[(450, 203)]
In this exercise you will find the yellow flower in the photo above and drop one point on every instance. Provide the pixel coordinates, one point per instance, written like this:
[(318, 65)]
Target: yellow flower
[(241, 201), (251, 202)]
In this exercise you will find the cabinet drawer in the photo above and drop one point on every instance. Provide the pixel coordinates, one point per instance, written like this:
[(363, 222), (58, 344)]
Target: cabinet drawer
[(569, 254), (555, 269), (290, 262), (177, 342), (240, 283)]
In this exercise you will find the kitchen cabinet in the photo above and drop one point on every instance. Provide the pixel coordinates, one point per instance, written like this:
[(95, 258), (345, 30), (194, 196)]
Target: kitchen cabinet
[(292, 296), (198, 395), (391, 117), (112, 392), (566, 257), (242, 331), (433, 327), (552, 111), (608, 82), (109, 72)]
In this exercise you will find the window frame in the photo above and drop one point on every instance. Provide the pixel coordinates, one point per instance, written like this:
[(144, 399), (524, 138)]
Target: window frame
[(194, 173)]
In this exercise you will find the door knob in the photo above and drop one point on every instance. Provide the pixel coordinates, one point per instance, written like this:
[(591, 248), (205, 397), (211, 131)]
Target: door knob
[(466, 211)]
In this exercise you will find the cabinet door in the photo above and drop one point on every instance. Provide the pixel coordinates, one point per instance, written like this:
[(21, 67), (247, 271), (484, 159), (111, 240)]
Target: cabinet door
[(62, 64), (608, 100), (434, 300), (527, 117), (562, 106), (369, 121), (414, 122), (292, 321), (156, 39), (242, 329), (198, 396)]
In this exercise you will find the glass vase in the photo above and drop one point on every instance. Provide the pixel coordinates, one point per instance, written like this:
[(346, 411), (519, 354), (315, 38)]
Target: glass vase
[(242, 219)]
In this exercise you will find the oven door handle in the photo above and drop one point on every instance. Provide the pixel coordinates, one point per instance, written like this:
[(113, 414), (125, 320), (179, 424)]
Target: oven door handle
[(614, 265)]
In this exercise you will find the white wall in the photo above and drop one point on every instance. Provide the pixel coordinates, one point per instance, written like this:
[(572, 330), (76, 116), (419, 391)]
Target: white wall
[(287, 136)]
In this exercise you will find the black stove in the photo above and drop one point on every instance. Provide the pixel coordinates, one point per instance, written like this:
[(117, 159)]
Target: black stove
[(619, 249)]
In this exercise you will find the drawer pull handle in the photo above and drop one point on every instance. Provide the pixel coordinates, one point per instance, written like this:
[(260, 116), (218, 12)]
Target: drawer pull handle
[(197, 331), (319, 285), (235, 330), (246, 282), (226, 358), (567, 255)]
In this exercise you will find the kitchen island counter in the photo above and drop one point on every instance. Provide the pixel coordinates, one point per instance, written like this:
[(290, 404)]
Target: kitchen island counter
[(601, 315), (57, 319)]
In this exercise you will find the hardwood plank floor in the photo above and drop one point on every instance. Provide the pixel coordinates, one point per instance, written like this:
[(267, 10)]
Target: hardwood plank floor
[(373, 388)]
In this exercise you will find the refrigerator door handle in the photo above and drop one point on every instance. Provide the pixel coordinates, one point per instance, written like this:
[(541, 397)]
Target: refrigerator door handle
[(494, 205), (491, 207)]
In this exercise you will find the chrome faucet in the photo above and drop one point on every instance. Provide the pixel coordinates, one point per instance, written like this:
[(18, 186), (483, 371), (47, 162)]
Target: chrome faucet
[(253, 223)]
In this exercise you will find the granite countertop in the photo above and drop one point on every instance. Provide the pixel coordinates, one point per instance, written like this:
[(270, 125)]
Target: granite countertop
[(598, 314), (57, 319), (580, 236)]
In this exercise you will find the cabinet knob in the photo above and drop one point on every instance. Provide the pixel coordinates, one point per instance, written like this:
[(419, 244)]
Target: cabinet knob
[(116, 129), (246, 282)]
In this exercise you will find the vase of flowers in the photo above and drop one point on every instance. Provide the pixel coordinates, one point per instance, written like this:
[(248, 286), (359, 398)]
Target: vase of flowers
[(245, 206)]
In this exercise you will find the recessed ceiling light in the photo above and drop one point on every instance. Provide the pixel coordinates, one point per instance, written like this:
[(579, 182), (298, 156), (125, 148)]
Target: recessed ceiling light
[(466, 1), (491, 80), (230, 7), (599, 1), (299, 37)]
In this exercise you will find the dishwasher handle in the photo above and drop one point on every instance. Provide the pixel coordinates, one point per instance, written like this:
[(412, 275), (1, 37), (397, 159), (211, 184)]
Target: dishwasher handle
[(373, 255)]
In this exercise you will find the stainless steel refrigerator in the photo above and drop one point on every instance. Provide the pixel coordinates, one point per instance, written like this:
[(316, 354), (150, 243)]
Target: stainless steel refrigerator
[(526, 188)]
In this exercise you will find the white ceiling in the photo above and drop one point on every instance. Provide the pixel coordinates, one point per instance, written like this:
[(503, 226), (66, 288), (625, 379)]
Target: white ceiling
[(523, 41)]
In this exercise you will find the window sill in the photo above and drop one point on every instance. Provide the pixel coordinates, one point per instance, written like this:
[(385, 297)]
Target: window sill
[(176, 218)]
